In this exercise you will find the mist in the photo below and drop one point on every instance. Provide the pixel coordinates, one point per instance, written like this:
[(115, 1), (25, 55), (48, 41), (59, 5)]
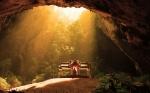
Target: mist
[(41, 38)]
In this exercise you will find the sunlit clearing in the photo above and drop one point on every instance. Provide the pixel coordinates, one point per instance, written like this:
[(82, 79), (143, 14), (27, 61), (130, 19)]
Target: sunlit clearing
[(71, 13), (54, 81), (44, 83)]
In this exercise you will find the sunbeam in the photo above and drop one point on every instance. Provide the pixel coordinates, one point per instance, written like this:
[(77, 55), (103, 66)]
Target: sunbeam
[(69, 13)]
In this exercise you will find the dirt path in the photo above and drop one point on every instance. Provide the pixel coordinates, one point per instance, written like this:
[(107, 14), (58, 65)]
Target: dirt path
[(60, 85)]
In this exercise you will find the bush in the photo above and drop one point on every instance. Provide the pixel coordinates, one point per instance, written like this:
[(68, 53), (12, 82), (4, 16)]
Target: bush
[(38, 78), (14, 81), (113, 83), (3, 84), (122, 83)]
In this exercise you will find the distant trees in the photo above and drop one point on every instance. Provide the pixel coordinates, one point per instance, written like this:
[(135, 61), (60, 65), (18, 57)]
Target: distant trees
[(38, 42), (8, 78), (5, 67)]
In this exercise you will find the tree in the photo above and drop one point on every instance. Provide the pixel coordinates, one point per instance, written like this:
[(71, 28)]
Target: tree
[(5, 67)]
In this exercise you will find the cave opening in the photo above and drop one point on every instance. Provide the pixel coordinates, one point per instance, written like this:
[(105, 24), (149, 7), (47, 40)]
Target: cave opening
[(40, 38), (35, 39)]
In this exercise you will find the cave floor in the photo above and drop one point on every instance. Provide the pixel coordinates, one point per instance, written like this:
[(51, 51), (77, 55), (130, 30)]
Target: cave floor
[(60, 85)]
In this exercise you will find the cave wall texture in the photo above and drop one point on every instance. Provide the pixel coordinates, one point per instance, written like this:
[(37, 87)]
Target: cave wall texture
[(131, 18)]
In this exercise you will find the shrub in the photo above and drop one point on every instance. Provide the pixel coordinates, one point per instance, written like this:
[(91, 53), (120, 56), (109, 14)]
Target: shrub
[(3, 84), (38, 78), (14, 81)]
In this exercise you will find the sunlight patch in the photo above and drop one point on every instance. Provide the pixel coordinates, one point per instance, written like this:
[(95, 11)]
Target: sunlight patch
[(43, 84), (69, 13)]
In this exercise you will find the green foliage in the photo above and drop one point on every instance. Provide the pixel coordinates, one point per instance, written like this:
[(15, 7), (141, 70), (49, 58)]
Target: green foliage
[(14, 81), (5, 67), (38, 78), (3, 84), (142, 79), (51, 71), (120, 81)]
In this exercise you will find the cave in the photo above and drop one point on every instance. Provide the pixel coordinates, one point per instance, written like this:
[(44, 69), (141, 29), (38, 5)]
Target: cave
[(121, 39)]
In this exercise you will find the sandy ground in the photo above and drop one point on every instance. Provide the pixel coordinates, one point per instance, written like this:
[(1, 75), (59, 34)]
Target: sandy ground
[(60, 85)]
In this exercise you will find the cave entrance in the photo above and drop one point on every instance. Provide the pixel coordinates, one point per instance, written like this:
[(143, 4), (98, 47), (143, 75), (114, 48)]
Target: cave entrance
[(39, 39)]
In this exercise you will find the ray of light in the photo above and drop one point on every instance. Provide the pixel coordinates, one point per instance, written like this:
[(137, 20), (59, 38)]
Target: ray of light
[(70, 13)]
